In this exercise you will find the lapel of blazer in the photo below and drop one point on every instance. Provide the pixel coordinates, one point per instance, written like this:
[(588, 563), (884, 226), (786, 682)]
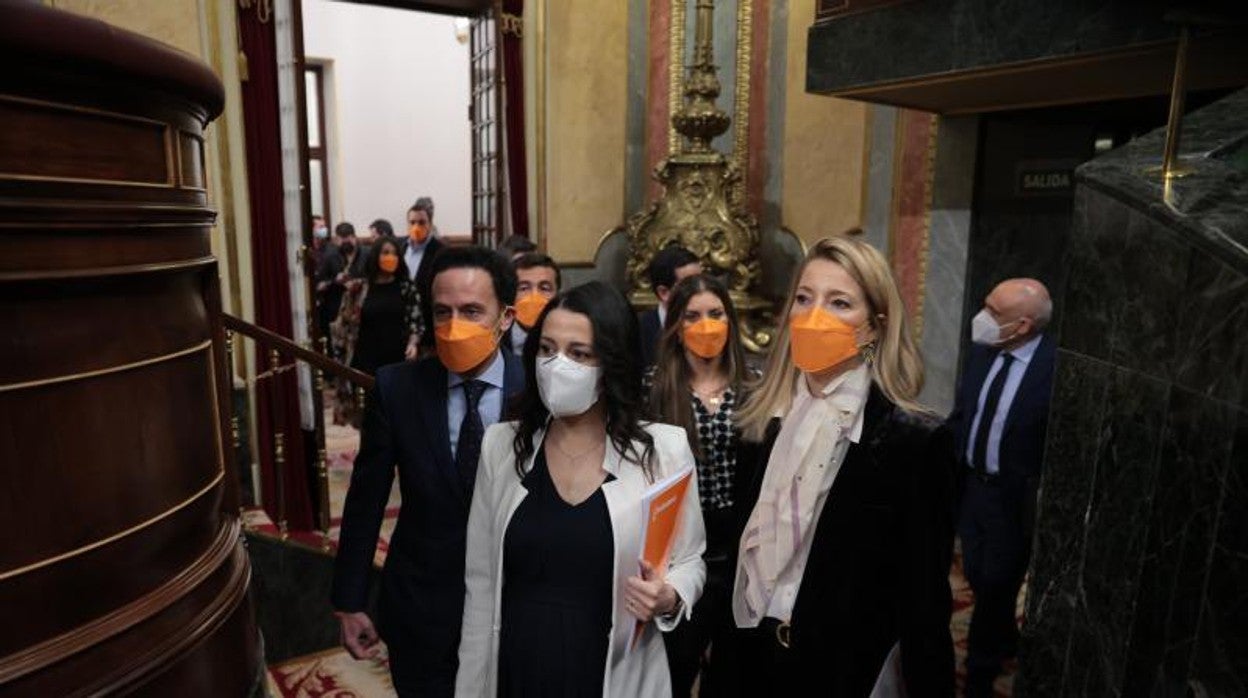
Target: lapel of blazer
[(863, 455), (432, 394), (1041, 365), (513, 378)]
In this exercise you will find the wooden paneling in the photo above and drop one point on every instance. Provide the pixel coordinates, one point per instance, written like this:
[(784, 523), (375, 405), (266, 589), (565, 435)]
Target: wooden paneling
[(72, 143), (121, 569), (191, 160)]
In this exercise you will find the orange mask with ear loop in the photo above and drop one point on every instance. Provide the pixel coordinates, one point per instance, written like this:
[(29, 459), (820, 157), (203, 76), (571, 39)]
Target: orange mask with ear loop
[(820, 340), (463, 345), (529, 307), (418, 233), (706, 337), (388, 262)]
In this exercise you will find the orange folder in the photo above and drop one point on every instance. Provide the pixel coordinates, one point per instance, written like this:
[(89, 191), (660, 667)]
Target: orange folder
[(663, 504)]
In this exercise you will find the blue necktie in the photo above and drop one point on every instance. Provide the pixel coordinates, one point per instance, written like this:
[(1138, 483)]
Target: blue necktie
[(471, 430), (979, 455)]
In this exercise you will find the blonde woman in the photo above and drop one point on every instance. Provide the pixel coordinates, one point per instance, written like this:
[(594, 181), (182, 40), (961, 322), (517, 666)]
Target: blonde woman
[(848, 529)]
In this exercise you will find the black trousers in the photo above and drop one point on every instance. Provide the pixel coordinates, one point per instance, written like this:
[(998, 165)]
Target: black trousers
[(994, 559), (686, 645)]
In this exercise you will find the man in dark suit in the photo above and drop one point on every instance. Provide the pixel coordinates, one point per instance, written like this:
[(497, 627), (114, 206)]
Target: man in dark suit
[(427, 418), (538, 279), (670, 265), (421, 247), (999, 422), (341, 262)]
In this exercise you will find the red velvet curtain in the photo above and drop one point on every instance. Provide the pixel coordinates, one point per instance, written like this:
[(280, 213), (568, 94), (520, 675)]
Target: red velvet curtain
[(513, 114), (277, 407)]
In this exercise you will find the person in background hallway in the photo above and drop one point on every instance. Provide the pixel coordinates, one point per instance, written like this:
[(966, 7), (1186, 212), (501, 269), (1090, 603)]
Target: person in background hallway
[(848, 535), (696, 384), (320, 234), (539, 278), (381, 228), (379, 322), (427, 418), (516, 245), (999, 421), (671, 264), (422, 247), (341, 262), (554, 589)]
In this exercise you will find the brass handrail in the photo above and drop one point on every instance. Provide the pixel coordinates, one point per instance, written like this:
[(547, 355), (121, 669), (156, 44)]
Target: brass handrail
[(287, 346), (321, 364)]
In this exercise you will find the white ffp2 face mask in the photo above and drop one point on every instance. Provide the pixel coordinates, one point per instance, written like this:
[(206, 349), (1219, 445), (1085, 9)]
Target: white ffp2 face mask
[(985, 330), (567, 387)]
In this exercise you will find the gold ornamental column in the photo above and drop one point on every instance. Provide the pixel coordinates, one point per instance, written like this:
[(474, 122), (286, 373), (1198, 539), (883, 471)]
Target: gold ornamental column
[(701, 207)]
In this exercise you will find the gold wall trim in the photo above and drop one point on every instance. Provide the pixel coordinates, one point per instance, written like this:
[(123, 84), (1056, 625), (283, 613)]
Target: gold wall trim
[(106, 271), (82, 550), (206, 344), (122, 619), (676, 72), (741, 107), (929, 186)]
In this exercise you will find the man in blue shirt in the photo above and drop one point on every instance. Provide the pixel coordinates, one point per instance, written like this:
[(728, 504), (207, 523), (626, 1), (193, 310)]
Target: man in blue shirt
[(999, 421), (426, 419)]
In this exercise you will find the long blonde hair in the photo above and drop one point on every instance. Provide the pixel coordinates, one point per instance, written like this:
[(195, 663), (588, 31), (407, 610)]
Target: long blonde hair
[(897, 367)]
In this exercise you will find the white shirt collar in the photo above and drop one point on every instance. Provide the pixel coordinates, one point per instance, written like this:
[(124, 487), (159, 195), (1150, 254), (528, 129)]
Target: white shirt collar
[(1027, 350), (492, 376), (662, 316)]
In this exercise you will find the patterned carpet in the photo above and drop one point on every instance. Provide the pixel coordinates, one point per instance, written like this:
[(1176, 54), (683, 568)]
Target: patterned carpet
[(341, 445)]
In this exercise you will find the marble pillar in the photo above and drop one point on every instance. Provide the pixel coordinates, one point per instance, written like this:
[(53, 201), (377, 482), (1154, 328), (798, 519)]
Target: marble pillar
[(1138, 580)]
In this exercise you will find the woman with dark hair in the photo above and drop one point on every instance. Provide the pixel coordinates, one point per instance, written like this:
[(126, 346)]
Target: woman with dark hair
[(378, 323), (555, 585), (696, 384)]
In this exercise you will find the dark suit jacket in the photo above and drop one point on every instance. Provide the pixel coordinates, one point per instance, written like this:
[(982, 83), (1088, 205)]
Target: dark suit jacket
[(422, 597), (1026, 424), (651, 329), (332, 263), (878, 571)]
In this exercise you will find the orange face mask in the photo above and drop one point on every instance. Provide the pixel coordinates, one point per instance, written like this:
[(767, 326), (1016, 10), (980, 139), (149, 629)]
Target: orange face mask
[(463, 345), (820, 340), (529, 307), (706, 337), (418, 233), (388, 262)]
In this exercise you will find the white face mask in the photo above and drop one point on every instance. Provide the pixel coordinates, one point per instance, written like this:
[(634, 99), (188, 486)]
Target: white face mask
[(985, 330), (567, 387)]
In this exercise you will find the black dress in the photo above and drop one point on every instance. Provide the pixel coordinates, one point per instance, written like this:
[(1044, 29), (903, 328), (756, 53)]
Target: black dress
[(558, 574), (383, 328)]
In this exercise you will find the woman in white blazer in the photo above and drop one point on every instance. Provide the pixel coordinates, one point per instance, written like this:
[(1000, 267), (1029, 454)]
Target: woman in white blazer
[(555, 587)]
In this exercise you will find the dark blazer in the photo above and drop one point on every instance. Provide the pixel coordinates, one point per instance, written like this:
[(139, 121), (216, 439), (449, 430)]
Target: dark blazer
[(422, 595), (651, 329), (878, 571), (424, 280), (1026, 424), (332, 263)]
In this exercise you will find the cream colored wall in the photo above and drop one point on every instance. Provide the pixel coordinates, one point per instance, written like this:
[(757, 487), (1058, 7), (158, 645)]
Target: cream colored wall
[(205, 29), (175, 22), (586, 89), (826, 142)]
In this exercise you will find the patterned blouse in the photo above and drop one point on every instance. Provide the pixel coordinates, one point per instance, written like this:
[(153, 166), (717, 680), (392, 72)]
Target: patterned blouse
[(717, 438)]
